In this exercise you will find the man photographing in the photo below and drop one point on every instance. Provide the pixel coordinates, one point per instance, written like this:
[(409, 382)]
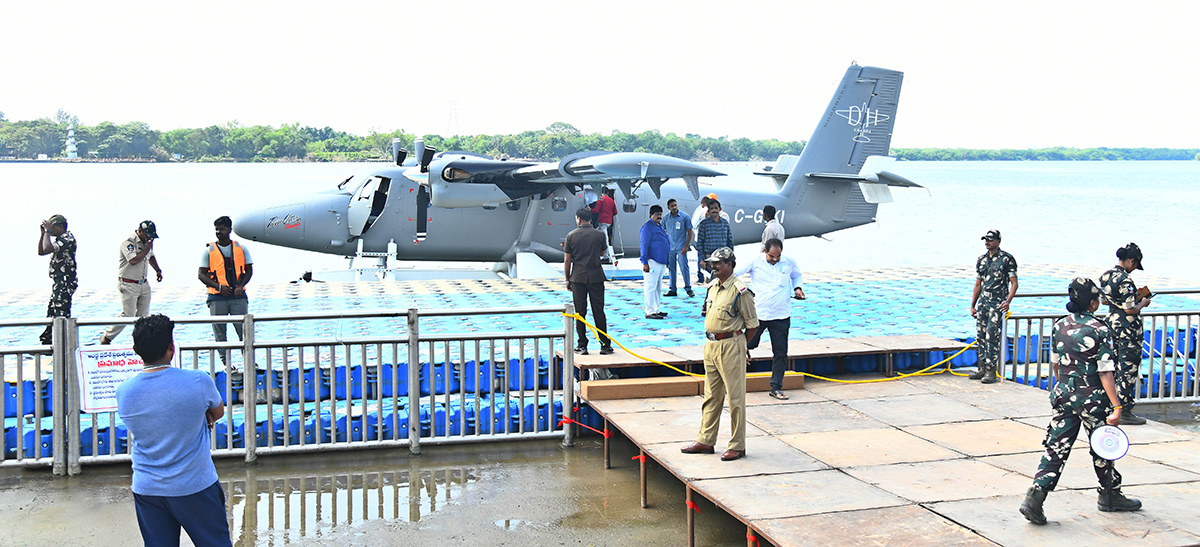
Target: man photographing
[(169, 412)]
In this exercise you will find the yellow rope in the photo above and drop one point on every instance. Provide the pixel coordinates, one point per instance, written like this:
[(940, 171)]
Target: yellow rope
[(922, 372)]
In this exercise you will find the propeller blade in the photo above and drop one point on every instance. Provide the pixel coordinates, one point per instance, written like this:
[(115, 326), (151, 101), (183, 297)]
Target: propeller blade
[(398, 152), (426, 157)]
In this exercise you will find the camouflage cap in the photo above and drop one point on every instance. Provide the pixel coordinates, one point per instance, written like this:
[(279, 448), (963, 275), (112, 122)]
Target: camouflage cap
[(1131, 251), (58, 219), (1083, 289), (148, 227), (991, 235), (720, 255)]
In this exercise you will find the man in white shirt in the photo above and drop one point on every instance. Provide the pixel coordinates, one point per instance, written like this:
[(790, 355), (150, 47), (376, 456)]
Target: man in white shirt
[(775, 279), (773, 229)]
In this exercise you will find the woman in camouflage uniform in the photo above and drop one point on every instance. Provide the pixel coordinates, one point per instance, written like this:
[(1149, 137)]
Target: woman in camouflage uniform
[(1084, 395), (1125, 318)]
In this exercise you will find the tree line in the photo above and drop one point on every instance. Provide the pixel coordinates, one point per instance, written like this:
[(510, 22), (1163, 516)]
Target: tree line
[(137, 141)]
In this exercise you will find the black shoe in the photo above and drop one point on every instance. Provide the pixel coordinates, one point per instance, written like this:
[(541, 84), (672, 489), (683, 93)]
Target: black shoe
[(989, 379), (654, 316), (690, 293), (977, 375), (1129, 418), (671, 293), (1032, 506), (581, 350), (606, 350), (777, 394), (1116, 501)]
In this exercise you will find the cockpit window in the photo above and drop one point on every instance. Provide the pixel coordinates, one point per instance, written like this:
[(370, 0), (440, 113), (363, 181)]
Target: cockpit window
[(345, 183)]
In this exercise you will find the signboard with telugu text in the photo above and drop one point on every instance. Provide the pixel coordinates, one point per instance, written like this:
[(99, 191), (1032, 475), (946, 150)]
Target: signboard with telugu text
[(100, 371)]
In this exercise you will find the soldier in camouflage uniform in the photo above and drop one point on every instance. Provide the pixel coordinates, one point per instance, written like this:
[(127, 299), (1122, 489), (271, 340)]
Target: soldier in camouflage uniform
[(1086, 395), (996, 270), (1125, 319), (62, 268)]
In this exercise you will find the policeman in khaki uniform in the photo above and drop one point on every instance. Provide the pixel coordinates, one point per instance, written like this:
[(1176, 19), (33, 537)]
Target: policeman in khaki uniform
[(137, 250), (729, 320)]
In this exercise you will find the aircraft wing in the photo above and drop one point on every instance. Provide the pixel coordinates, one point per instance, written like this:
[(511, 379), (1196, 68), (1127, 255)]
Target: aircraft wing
[(455, 177)]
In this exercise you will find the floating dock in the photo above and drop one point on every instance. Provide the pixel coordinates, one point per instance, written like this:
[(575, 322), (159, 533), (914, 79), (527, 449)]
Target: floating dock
[(922, 460)]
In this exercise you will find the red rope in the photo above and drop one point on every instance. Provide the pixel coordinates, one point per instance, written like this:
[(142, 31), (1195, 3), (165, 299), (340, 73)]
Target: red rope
[(692, 505), (640, 457), (604, 433), (751, 537)]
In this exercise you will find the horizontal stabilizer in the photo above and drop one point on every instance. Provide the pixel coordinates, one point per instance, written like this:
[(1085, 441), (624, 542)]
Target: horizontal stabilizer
[(781, 170), (873, 171)]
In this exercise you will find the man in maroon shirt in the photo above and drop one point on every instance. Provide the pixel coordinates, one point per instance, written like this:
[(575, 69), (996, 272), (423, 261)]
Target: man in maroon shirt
[(605, 209)]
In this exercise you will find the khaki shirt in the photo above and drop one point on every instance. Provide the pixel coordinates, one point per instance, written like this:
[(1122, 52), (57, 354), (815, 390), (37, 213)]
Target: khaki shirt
[(729, 306), (130, 247)]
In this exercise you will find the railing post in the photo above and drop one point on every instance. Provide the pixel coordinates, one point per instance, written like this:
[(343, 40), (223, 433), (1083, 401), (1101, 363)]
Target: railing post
[(69, 390), (61, 348), (1003, 343), (568, 377), (414, 386), (249, 391)]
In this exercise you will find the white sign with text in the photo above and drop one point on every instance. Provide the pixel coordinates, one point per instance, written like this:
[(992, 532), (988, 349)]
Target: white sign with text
[(100, 372)]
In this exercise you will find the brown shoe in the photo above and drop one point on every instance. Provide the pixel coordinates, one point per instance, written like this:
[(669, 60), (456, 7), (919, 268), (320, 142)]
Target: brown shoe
[(697, 448), (731, 455)]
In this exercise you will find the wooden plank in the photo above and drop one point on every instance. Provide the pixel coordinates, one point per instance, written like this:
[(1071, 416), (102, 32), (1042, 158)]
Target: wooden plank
[(623, 359), (637, 388)]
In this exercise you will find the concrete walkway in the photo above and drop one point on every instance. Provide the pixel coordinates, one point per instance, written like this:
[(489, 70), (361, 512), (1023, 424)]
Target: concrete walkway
[(937, 460)]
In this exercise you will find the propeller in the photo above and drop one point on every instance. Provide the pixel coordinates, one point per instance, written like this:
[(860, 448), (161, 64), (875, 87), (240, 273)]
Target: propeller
[(398, 152), (427, 153)]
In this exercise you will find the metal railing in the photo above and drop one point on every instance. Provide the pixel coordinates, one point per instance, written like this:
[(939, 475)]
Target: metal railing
[(1169, 358), (312, 394)]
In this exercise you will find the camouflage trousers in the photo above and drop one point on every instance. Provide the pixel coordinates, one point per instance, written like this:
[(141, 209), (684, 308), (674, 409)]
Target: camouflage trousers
[(60, 306), (1072, 409), (988, 319), (1129, 360)]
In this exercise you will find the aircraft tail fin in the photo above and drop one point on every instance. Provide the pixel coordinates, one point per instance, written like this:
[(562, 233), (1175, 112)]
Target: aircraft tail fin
[(856, 125)]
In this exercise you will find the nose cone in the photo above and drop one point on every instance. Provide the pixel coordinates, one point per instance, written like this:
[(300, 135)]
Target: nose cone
[(250, 225)]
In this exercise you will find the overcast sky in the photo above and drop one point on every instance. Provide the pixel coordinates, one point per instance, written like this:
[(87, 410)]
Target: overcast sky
[(977, 74)]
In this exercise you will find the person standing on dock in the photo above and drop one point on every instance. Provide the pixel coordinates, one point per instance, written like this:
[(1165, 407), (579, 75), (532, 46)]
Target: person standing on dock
[(729, 320), (773, 229), (712, 233), (996, 271), (1125, 318), (62, 269), (776, 280), (679, 230), (698, 216), (225, 269), (137, 250), (1085, 395), (585, 279), (169, 412), (655, 250), (605, 209)]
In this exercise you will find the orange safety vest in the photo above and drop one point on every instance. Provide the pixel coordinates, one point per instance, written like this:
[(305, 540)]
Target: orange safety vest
[(217, 268)]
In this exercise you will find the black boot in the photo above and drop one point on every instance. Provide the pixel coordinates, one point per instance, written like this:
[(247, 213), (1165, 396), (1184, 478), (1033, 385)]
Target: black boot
[(1129, 418), (1032, 506), (978, 375), (1116, 501)]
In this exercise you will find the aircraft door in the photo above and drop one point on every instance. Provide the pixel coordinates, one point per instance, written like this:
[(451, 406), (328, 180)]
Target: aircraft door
[(367, 204)]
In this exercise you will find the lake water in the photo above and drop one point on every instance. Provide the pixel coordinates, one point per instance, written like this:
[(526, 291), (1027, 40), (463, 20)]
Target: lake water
[(1048, 212)]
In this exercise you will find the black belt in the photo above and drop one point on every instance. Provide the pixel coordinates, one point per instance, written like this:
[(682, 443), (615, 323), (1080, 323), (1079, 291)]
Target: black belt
[(722, 335), (126, 280)]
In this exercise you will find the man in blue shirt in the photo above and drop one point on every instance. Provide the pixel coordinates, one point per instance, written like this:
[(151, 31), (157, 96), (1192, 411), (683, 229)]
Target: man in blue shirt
[(775, 280), (712, 233), (679, 231), (655, 249), (169, 412)]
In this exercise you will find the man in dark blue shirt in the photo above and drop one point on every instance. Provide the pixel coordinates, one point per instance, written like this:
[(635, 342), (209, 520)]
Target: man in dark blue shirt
[(655, 249)]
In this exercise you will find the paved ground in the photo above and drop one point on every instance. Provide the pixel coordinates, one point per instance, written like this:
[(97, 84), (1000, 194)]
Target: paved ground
[(936, 460)]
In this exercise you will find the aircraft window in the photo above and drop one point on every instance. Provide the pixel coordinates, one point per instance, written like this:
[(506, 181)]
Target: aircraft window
[(342, 185), (629, 206), (558, 204), (452, 174), (367, 190), (513, 205)]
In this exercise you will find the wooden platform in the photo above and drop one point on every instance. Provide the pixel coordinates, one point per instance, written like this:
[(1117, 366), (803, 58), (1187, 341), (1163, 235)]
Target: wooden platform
[(935, 460)]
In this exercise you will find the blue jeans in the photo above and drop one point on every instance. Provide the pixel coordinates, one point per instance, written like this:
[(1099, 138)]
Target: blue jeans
[(201, 514), (673, 262)]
